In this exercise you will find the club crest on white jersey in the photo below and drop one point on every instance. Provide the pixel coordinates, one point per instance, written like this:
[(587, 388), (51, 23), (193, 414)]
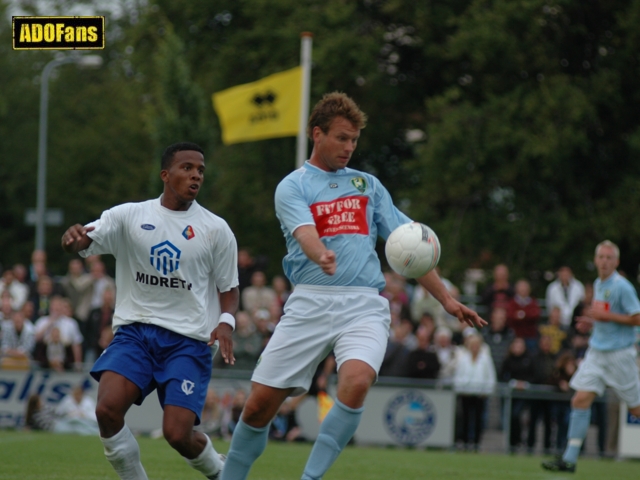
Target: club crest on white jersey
[(165, 257)]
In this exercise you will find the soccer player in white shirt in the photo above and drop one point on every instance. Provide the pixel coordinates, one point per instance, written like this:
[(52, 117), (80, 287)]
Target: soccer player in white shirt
[(176, 280), (331, 217)]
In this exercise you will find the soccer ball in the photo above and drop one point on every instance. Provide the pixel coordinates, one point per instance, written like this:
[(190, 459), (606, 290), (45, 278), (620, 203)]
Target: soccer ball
[(412, 250)]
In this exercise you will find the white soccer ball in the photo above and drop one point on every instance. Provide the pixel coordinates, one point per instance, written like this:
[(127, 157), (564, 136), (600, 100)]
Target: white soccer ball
[(412, 250)]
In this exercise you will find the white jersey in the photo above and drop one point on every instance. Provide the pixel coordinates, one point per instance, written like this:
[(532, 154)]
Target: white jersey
[(169, 265)]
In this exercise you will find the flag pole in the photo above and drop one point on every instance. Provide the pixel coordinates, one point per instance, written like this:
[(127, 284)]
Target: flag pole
[(306, 39)]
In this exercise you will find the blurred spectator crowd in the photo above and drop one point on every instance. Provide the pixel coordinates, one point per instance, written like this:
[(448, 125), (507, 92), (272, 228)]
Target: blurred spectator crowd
[(52, 321), (64, 322)]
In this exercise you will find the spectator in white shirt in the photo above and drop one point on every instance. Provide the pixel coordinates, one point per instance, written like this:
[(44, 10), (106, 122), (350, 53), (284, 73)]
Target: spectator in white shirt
[(76, 414), (565, 293), (19, 291), (18, 340), (101, 282), (474, 380), (69, 332), (446, 352)]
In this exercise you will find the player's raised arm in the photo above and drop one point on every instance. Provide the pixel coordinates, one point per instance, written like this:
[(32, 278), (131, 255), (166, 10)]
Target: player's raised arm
[(431, 281), (75, 238), (309, 240)]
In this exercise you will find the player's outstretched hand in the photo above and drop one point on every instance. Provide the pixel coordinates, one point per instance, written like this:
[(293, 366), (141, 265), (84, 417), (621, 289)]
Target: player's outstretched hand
[(584, 324), (599, 314), (75, 238), (222, 333), (464, 314), (328, 262)]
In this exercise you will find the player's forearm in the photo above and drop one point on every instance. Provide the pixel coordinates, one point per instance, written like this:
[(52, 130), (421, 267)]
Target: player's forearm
[(229, 301), (631, 320), (431, 281), (312, 246)]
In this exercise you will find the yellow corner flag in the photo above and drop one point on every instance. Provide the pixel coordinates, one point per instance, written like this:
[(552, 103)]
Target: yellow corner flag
[(267, 108), (325, 402)]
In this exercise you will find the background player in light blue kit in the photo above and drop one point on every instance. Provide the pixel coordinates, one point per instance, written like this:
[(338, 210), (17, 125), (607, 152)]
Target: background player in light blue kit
[(176, 278), (611, 357), (331, 217)]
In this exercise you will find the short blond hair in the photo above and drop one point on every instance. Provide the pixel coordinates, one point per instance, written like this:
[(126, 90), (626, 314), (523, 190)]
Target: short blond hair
[(332, 105), (610, 244)]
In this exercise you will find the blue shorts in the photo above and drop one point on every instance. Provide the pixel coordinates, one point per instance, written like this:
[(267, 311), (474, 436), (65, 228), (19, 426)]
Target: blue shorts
[(154, 357)]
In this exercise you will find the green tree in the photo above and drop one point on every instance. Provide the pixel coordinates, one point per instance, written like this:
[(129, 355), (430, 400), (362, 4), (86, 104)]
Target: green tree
[(98, 152), (528, 152), (509, 126)]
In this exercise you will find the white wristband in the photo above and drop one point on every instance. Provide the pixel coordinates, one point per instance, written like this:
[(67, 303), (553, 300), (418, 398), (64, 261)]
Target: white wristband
[(228, 319)]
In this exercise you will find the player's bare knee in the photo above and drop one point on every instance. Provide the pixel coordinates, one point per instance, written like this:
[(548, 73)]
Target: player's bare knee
[(582, 400), (635, 411), (357, 384), (358, 390), (106, 415), (177, 438), (254, 415)]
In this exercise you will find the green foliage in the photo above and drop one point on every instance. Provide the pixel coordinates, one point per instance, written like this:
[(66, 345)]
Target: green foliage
[(511, 127), (527, 151)]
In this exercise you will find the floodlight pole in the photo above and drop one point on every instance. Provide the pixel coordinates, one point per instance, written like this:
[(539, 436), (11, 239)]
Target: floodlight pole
[(89, 60), (306, 39)]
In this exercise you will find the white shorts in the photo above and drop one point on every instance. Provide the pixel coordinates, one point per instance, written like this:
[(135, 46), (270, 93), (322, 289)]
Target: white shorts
[(351, 321), (616, 369)]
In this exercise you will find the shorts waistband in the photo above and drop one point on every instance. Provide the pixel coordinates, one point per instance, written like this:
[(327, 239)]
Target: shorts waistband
[(331, 290)]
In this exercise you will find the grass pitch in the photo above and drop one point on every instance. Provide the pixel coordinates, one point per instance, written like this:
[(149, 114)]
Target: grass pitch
[(30, 455)]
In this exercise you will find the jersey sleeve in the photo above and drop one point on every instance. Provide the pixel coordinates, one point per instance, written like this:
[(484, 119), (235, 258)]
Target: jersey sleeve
[(629, 300), (292, 208), (225, 269), (386, 216), (107, 231)]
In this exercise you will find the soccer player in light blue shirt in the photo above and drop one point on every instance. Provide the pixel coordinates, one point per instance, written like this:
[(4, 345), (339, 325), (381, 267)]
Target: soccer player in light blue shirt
[(331, 217), (611, 357)]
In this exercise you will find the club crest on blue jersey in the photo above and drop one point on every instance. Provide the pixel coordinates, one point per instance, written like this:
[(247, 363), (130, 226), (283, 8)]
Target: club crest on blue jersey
[(188, 232), (360, 184), (165, 257)]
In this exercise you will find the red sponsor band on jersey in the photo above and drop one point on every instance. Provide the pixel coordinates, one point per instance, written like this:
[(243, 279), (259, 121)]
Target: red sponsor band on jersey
[(347, 215), (600, 305)]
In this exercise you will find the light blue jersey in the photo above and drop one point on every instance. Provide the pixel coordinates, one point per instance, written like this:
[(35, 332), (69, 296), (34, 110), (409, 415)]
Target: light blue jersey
[(615, 294), (349, 209)]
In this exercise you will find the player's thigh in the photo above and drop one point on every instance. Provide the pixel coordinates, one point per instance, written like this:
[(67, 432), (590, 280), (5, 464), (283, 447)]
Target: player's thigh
[(591, 374), (301, 340), (177, 423), (182, 375), (116, 393), (128, 357), (622, 375), (363, 335)]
